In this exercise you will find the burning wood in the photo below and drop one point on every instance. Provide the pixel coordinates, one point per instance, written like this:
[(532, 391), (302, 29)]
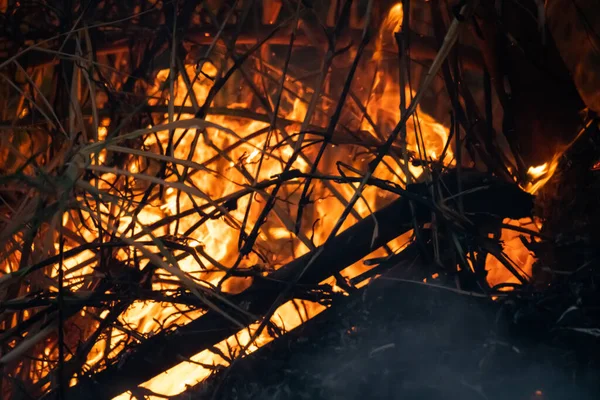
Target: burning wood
[(178, 197), (483, 197)]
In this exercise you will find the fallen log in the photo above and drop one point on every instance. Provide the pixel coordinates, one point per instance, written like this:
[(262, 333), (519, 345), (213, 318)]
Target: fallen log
[(405, 339), (482, 195)]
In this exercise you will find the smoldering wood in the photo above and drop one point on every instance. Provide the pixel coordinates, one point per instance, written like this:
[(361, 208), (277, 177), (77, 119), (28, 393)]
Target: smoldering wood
[(483, 196)]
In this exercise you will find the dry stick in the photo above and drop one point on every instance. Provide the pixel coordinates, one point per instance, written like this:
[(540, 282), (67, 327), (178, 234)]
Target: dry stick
[(69, 71), (33, 102), (349, 246), (404, 46), (78, 360), (226, 199), (160, 173), (304, 198), (30, 340), (341, 102), (14, 288), (490, 159), (439, 28), (307, 119), (75, 363), (190, 85), (190, 190), (42, 98), (61, 320), (88, 75), (303, 156), (233, 197), (38, 46), (489, 114), (287, 223), (274, 120), (97, 147), (173, 74), (19, 222), (449, 41), (264, 102), (91, 299), (219, 84), (529, 232), (494, 158), (237, 63), (404, 81), (121, 243), (458, 86), (352, 245), (424, 47), (173, 267), (324, 97), (161, 42), (297, 147), (492, 52), (25, 345), (239, 113), (368, 118), (204, 59), (75, 110)]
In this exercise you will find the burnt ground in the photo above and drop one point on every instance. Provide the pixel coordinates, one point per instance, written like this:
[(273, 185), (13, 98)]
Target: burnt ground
[(399, 340)]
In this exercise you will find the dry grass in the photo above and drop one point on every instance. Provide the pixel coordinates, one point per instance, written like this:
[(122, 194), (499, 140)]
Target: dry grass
[(140, 169)]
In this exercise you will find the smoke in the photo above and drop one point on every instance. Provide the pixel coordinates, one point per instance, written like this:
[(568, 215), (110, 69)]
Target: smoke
[(408, 343)]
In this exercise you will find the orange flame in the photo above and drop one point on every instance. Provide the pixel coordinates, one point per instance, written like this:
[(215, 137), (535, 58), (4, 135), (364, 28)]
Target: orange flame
[(516, 252), (226, 162), (539, 175)]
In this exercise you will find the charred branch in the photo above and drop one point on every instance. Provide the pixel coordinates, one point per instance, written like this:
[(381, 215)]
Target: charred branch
[(483, 196)]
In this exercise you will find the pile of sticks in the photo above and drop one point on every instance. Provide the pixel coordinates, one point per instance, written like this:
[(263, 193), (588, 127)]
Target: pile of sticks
[(70, 67)]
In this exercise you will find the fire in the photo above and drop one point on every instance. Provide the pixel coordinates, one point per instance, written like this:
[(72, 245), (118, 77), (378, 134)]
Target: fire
[(516, 253), (433, 135), (514, 248), (391, 24), (221, 163), (536, 172), (196, 369), (425, 138), (540, 175)]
